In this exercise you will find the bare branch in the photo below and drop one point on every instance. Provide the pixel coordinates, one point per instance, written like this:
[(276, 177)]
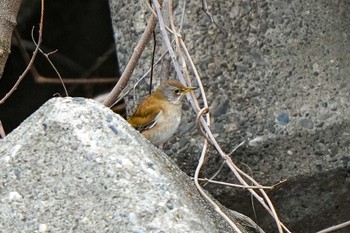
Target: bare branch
[(335, 228), (167, 41), (235, 185), (52, 65), (8, 14), (204, 122), (138, 81), (146, 36), (30, 64), (23, 46), (2, 131), (205, 195), (205, 9)]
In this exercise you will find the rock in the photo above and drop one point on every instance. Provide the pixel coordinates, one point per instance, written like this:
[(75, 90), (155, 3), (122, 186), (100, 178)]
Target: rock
[(283, 118), (288, 56), (74, 165)]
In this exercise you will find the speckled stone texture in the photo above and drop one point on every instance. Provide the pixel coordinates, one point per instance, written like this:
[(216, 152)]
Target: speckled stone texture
[(75, 166), (279, 79)]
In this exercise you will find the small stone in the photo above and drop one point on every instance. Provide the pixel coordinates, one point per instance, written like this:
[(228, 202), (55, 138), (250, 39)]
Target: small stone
[(2, 52), (283, 118), (258, 57), (319, 125), (14, 196), (113, 128), (306, 123), (110, 117), (316, 68), (318, 153), (42, 228), (221, 108), (241, 68), (138, 231), (132, 218), (170, 205), (256, 141)]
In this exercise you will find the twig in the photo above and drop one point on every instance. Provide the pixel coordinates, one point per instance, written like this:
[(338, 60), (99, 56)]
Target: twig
[(96, 80), (224, 162), (224, 156), (247, 221), (196, 107), (30, 64), (146, 36), (2, 131), (22, 45), (138, 81), (148, 4), (46, 55), (237, 172), (235, 185), (181, 77), (177, 36), (216, 173), (336, 227), (251, 196), (234, 149), (167, 41), (99, 61), (205, 9), (206, 196), (25, 45), (152, 62), (155, 14), (182, 16), (198, 123), (205, 123), (193, 101), (218, 148)]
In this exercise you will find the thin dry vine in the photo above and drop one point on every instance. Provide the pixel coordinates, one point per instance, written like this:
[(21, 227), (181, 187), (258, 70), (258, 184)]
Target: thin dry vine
[(30, 64), (181, 58)]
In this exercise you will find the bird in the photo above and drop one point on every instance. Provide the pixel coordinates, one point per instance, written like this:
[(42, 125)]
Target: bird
[(158, 116)]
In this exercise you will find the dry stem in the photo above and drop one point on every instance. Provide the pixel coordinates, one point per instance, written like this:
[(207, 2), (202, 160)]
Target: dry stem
[(52, 65), (264, 200), (235, 185), (204, 121), (30, 64), (23, 46), (146, 36), (335, 228), (2, 131)]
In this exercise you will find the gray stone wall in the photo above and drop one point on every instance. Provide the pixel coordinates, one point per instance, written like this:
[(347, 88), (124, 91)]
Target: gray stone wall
[(279, 79)]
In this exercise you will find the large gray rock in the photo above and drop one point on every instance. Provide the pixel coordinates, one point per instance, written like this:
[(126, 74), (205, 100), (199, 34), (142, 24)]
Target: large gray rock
[(279, 79), (75, 166)]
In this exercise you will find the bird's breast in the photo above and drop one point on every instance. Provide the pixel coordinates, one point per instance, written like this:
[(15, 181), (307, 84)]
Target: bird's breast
[(167, 123)]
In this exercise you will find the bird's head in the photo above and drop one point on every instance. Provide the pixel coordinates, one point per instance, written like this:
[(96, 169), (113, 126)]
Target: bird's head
[(173, 91)]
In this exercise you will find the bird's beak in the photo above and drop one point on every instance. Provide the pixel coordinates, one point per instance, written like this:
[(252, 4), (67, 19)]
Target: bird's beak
[(189, 89)]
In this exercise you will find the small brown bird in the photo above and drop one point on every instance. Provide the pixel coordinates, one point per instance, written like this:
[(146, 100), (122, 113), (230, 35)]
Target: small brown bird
[(159, 115)]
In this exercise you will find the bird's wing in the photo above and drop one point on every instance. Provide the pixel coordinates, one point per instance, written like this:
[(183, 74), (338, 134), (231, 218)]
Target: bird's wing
[(145, 119)]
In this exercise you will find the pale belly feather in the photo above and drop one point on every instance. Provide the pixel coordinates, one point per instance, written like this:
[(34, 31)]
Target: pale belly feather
[(166, 126)]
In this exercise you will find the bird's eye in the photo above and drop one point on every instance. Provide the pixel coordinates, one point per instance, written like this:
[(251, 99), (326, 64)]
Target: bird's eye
[(177, 91)]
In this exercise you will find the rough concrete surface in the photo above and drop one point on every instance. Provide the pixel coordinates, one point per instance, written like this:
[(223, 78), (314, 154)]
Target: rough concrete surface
[(279, 79), (75, 166)]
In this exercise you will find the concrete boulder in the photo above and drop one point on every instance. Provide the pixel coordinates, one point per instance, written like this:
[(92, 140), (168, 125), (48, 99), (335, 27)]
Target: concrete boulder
[(75, 166)]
